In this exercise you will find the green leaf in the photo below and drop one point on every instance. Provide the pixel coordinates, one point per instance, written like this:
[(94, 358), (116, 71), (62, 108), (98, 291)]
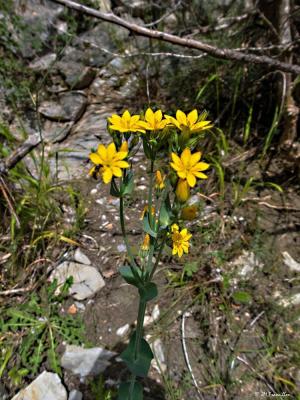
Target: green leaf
[(124, 391), (148, 292), (114, 190), (147, 228), (165, 214), (128, 275), (190, 268), (140, 364), (242, 297), (147, 149), (128, 184)]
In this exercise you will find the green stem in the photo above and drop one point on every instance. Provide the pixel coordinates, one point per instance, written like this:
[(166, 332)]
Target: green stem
[(138, 337), (162, 245), (130, 255), (150, 194)]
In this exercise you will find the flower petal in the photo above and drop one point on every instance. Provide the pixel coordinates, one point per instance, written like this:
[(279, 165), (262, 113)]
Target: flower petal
[(121, 164), (195, 158), (200, 175), (158, 116), (120, 155), (149, 116), (116, 171), (95, 158), (101, 150), (186, 157), (110, 151), (191, 179), (107, 175), (172, 121), (126, 115), (201, 126), (192, 117), (181, 117), (201, 166)]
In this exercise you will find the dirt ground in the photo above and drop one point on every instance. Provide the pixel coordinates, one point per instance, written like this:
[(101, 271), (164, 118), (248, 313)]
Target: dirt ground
[(235, 348)]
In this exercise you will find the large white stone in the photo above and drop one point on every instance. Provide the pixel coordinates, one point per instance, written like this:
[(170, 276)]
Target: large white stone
[(87, 280), (81, 258), (86, 362), (290, 262), (47, 386)]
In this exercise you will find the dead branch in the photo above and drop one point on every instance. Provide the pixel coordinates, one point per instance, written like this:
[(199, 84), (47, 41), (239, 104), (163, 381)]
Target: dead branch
[(227, 54), (9, 162)]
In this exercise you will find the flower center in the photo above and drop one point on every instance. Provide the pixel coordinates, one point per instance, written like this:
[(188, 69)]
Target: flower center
[(177, 238)]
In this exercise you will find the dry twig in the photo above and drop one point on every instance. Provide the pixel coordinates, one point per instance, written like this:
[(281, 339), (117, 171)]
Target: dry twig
[(223, 53)]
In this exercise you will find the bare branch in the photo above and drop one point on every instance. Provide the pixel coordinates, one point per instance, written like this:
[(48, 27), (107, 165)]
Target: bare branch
[(213, 51), (30, 143)]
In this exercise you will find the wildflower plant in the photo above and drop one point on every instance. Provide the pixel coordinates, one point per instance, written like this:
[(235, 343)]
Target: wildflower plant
[(171, 147)]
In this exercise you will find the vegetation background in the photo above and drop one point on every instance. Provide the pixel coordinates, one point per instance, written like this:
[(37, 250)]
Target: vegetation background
[(243, 326)]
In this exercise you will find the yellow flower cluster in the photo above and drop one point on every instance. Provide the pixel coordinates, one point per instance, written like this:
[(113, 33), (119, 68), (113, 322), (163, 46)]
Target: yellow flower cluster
[(154, 121), (110, 161)]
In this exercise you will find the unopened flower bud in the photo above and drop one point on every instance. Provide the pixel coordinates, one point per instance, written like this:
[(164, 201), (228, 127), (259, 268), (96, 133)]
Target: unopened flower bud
[(182, 190)]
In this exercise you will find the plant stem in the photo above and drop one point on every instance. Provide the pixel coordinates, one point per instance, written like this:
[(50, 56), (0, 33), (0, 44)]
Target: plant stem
[(150, 194), (138, 337), (130, 255), (162, 245)]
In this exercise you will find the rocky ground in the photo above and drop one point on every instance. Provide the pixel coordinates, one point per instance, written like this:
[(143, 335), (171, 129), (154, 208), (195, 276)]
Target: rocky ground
[(202, 333)]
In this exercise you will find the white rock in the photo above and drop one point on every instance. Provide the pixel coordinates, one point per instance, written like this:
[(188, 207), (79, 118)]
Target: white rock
[(94, 191), (155, 313), (86, 362), (246, 264), (81, 258), (121, 248), (123, 330), (79, 305), (160, 360), (47, 386), (290, 262), (290, 301), (87, 280), (193, 200), (75, 395)]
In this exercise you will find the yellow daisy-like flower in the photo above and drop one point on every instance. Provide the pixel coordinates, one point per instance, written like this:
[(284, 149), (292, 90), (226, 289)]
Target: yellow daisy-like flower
[(126, 123), (188, 121), (146, 243), (180, 240), (108, 162), (154, 121), (159, 180), (188, 166)]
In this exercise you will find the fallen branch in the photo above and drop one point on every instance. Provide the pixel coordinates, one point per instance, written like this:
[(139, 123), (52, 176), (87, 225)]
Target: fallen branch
[(9, 162), (216, 52)]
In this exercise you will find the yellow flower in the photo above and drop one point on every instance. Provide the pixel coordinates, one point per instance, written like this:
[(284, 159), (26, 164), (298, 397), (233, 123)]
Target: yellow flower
[(126, 123), (146, 209), (108, 162), (124, 146), (189, 121), (182, 190), (154, 121), (189, 213), (160, 179), (180, 240), (146, 243), (188, 166)]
